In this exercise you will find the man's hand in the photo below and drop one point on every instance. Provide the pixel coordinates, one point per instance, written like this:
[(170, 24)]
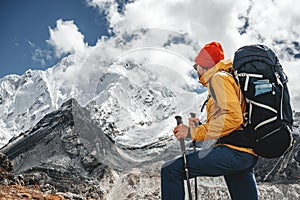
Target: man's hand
[(180, 131), (193, 121)]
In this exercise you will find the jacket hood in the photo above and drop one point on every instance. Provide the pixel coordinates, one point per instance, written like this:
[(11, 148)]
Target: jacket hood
[(223, 65)]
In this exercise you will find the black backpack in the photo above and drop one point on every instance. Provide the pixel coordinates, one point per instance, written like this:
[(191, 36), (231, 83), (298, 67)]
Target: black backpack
[(269, 116)]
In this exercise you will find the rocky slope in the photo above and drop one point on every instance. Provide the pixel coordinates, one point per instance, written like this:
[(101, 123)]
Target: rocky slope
[(14, 186), (68, 156), (67, 152)]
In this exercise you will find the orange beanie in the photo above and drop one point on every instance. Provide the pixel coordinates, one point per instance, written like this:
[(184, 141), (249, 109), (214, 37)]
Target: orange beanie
[(210, 55)]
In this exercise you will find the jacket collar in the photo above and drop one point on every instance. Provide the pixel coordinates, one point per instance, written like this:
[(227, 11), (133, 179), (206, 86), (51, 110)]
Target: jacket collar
[(223, 65)]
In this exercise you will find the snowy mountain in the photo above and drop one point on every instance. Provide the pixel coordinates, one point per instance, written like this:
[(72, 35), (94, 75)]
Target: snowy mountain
[(68, 138), (25, 99), (100, 124), (133, 89), (66, 153)]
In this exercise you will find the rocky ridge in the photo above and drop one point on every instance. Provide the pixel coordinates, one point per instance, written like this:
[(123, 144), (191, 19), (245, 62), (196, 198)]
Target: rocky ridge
[(67, 156)]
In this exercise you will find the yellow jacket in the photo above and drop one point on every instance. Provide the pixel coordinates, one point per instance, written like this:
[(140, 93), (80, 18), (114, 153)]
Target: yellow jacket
[(225, 106)]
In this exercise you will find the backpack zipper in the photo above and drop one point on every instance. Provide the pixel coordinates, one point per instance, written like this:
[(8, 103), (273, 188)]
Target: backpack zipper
[(257, 140)]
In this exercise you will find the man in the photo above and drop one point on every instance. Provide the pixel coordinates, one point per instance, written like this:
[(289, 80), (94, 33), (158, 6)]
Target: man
[(225, 107)]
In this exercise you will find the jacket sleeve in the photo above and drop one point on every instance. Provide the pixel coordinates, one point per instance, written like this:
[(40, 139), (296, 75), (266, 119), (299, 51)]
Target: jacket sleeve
[(225, 112)]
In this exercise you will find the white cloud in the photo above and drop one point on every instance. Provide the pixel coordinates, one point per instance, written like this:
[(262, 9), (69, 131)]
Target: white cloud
[(66, 38), (293, 73), (102, 5), (274, 23), (208, 20), (42, 55), (31, 44), (203, 21)]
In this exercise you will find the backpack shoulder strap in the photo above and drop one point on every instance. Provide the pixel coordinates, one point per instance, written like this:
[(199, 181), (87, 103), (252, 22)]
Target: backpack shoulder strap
[(212, 92)]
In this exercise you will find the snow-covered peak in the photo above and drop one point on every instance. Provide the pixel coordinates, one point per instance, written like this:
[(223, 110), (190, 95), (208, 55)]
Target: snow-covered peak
[(25, 100), (134, 86), (139, 102)]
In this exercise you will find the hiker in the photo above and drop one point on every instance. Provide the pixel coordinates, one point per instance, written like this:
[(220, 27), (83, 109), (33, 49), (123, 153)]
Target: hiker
[(225, 107)]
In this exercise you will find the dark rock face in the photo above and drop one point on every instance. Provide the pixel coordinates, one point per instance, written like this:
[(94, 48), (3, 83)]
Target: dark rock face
[(5, 164), (55, 135), (65, 149), (6, 171)]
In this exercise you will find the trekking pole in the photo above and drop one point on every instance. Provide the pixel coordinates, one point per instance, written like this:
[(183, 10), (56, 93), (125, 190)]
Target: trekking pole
[(182, 145), (193, 115)]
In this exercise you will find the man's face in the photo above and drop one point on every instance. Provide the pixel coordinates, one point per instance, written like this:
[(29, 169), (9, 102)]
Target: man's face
[(200, 70)]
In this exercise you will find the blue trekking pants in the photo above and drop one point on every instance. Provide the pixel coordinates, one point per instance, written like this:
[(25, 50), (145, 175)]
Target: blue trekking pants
[(236, 167)]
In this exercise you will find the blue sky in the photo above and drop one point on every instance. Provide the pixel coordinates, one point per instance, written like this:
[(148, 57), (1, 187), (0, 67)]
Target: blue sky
[(25, 28)]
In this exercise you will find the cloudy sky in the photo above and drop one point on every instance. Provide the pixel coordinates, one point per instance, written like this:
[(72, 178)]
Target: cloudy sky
[(36, 34), (27, 32)]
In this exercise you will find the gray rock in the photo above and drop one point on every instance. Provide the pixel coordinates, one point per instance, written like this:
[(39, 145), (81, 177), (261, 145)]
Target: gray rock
[(68, 153)]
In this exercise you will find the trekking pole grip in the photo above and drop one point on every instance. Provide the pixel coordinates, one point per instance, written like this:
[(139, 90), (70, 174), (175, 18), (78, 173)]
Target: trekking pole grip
[(193, 115), (182, 145), (178, 119)]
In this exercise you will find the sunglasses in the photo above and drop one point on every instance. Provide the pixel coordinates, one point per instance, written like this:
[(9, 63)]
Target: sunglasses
[(196, 67)]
